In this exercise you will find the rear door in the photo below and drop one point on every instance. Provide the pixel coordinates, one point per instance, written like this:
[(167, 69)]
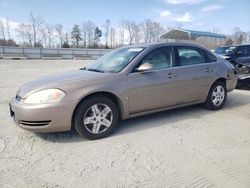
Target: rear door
[(195, 69)]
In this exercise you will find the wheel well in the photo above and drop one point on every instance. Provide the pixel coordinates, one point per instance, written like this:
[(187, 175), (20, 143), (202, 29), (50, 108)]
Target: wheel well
[(109, 95), (223, 80)]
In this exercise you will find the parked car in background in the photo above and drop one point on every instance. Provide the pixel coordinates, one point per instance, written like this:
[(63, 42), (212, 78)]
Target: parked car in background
[(239, 56), (124, 83)]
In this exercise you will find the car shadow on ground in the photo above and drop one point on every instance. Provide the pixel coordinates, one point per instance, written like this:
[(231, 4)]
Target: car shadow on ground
[(61, 137), (235, 100)]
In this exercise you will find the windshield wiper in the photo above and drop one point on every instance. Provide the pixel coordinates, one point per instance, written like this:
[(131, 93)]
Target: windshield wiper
[(95, 70)]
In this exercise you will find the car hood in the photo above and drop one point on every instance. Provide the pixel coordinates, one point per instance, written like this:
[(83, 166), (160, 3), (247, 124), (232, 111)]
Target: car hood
[(79, 78)]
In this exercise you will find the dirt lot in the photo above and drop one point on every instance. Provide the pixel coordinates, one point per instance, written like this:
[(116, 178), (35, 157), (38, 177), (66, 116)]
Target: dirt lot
[(189, 147)]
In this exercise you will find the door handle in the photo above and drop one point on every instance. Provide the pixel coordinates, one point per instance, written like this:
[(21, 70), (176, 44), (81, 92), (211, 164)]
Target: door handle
[(171, 75), (209, 70)]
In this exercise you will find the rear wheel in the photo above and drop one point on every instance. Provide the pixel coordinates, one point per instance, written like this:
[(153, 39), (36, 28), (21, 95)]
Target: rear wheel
[(217, 96), (96, 117)]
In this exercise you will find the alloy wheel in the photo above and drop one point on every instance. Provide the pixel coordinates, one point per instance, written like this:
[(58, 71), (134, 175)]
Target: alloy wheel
[(98, 118), (218, 95)]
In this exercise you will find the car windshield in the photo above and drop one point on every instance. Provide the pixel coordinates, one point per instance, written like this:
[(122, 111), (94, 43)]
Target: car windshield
[(115, 60), (224, 50)]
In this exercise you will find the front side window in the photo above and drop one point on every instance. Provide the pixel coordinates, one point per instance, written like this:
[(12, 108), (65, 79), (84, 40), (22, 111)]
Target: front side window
[(115, 60), (190, 56), (160, 58)]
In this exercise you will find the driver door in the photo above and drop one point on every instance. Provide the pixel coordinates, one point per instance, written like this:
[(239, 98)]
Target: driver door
[(156, 88)]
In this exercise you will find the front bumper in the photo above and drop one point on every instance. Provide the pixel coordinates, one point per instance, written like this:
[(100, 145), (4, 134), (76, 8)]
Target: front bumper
[(52, 117)]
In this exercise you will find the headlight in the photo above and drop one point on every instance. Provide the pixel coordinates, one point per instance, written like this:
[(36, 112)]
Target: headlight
[(45, 96)]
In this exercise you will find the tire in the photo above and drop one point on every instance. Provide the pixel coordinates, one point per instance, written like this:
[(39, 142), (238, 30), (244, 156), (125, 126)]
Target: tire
[(92, 121), (216, 97)]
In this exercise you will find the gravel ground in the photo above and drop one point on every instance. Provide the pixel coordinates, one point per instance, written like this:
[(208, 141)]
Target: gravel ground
[(188, 147)]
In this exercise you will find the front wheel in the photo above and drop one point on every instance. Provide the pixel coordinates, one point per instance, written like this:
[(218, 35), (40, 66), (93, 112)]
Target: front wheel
[(217, 96), (96, 117)]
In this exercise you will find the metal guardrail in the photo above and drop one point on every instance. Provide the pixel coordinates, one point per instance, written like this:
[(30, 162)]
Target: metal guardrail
[(39, 53)]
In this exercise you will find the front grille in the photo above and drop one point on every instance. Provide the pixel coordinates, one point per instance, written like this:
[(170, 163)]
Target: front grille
[(34, 123)]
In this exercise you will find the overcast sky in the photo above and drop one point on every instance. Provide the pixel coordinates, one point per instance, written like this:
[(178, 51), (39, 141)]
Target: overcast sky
[(192, 14)]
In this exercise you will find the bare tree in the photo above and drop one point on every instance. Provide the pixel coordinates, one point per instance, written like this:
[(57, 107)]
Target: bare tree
[(131, 27), (2, 29), (36, 23), (213, 43), (50, 34), (5, 31), (90, 29), (237, 35), (147, 30), (152, 31), (106, 31), (67, 38), (84, 30), (59, 30), (121, 35), (44, 37), (112, 37), (29, 31), (138, 34), (8, 28), (25, 32)]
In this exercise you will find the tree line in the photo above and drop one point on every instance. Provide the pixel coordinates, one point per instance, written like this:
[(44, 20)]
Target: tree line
[(36, 33)]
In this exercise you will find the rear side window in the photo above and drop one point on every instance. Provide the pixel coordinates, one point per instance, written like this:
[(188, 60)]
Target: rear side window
[(190, 56), (210, 57)]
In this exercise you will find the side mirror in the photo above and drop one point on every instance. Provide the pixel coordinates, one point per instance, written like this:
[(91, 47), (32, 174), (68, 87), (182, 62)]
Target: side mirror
[(145, 67)]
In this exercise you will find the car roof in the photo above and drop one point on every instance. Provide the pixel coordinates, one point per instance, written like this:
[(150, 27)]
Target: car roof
[(237, 45), (160, 44)]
